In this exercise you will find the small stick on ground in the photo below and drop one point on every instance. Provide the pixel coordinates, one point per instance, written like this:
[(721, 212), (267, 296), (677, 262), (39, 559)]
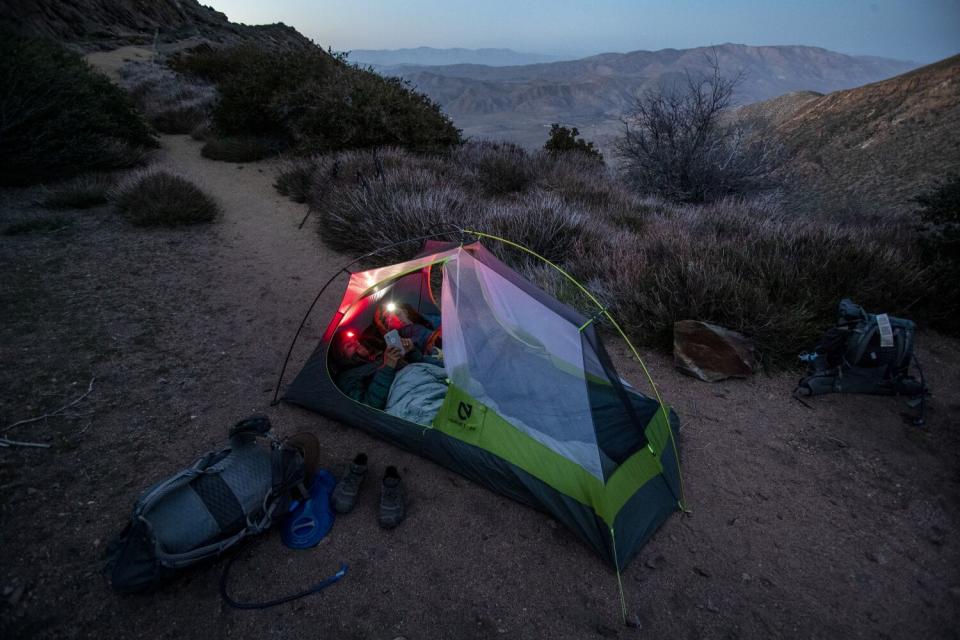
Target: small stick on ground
[(6, 442), (49, 415)]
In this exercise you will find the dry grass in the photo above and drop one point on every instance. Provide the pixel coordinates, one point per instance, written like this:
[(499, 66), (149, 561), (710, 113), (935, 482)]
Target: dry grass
[(82, 192), (171, 102), (744, 264), (158, 198)]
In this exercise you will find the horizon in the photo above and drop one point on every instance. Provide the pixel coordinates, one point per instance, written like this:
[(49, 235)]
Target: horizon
[(894, 29)]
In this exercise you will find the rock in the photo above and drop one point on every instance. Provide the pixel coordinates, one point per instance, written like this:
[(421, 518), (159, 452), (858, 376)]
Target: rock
[(712, 608), (711, 353), (633, 621), (701, 572)]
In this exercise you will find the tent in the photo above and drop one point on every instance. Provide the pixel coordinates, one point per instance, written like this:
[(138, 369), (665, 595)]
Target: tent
[(532, 408)]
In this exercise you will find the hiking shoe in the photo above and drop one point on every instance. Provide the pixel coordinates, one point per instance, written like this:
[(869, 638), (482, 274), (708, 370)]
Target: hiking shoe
[(345, 494), (392, 507)]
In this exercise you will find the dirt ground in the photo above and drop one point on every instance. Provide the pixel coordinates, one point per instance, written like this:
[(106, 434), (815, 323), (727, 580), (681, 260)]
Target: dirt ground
[(833, 520)]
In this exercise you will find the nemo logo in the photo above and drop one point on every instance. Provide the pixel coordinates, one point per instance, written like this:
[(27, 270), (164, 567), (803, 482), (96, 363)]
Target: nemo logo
[(464, 410)]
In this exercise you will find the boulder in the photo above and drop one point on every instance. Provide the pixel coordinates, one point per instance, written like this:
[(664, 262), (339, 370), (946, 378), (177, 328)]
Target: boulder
[(711, 353)]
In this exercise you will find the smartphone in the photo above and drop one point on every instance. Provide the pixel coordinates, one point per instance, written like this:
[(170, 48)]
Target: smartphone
[(392, 338)]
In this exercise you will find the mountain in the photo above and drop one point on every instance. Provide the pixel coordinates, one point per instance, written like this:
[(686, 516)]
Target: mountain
[(108, 24), (428, 56), (519, 102), (874, 148)]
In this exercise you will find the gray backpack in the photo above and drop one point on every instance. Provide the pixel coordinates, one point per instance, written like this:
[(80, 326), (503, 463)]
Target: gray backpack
[(863, 353), (207, 508)]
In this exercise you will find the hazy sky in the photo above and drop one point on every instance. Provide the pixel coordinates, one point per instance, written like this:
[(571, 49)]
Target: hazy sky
[(920, 30)]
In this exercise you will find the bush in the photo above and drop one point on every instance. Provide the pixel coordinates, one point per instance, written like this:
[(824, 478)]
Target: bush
[(564, 140), (939, 213), (171, 102), (240, 148), (679, 143), (315, 101), (51, 224), (60, 117), (497, 169), (740, 265), (163, 199), (82, 192), (296, 178)]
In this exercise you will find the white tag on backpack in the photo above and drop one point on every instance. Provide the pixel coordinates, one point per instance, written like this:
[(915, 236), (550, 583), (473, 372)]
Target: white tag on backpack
[(886, 331)]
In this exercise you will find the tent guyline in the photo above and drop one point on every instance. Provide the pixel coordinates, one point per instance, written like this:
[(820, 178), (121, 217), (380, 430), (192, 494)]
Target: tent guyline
[(509, 387)]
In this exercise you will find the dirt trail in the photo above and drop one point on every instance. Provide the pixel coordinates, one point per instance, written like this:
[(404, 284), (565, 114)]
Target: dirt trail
[(821, 521)]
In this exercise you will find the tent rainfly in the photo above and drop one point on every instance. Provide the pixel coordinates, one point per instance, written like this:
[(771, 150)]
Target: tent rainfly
[(532, 406)]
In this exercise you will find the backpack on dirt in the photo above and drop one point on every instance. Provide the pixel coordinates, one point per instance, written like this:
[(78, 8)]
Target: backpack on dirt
[(863, 353), (209, 507)]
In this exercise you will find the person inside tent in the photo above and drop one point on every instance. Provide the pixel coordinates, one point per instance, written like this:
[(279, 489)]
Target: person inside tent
[(409, 323), (367, 367)]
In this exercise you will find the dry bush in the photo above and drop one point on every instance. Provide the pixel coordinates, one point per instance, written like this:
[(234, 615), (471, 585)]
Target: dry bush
[(400, 204), (172, 102), (82, 192), (495, 169), (158, 198), (679, 144), (742, 266), (540, 221)]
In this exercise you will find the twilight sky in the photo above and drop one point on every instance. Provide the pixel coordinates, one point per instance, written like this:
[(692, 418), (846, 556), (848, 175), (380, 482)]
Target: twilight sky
[(920, 30)]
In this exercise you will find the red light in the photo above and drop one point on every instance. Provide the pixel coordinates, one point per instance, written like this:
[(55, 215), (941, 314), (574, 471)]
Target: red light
[(350, 334)]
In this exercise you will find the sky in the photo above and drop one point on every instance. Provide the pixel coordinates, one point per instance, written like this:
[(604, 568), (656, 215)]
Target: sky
[(918, 30)]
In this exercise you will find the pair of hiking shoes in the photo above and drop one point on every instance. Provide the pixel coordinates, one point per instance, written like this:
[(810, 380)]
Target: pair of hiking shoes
[(392, 500)]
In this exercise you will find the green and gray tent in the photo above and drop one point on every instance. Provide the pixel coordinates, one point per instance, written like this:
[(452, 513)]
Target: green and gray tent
[(532, 406)]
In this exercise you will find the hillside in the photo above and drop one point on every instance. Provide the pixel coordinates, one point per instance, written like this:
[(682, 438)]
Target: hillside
[(108, 24), (873, 148), (592, 93)]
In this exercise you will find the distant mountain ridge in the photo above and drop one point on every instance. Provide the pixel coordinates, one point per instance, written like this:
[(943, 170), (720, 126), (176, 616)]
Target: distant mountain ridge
[(109, 24), (517, 102), (429, 56)]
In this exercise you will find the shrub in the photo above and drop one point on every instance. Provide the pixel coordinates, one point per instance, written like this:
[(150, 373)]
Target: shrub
[(171, 102), (163, 199), (679, 144), (564, 140), (939, 212), (403, 203), (739, 265), (296, 178), (82, 192), (540, 221), (240, 148), (38, 225), (61, 117), (315, 101), (496, 169)]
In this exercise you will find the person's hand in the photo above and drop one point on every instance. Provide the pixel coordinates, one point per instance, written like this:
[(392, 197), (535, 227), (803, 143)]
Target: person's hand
[(407, 344), (392, 356)]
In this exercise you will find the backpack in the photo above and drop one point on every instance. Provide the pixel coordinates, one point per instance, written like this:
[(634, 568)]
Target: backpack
[(209, 507), (863, 353)]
